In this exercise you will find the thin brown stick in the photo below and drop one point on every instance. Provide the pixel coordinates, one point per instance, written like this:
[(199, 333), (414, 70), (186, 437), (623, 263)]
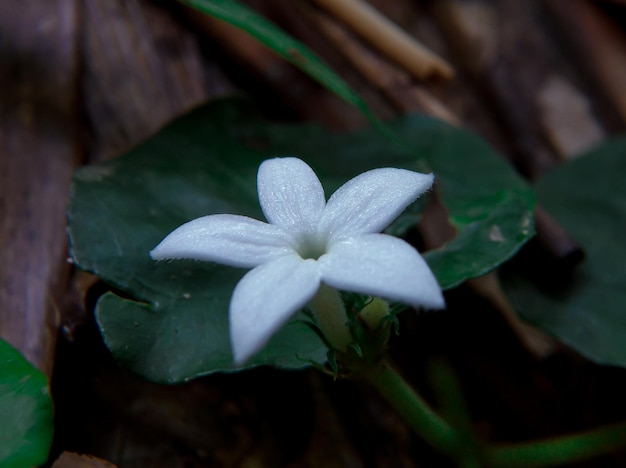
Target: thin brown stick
[(395, 83), (389, 39)]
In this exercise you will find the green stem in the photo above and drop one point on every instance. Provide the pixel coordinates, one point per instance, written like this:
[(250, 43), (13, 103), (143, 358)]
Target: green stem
[(565, 449), (443, 437), (469, 450), (422, 419)]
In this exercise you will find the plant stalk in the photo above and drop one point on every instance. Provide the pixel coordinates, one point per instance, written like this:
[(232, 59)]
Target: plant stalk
[(560, 450), (422, 419)]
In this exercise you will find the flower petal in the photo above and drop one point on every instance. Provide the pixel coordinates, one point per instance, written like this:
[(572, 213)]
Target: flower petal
[(371, 201), (290, 194), (382, 266), (228, 239), (266, 298)]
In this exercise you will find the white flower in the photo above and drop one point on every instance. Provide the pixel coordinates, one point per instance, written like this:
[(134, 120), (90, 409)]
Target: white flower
[(307, 242)]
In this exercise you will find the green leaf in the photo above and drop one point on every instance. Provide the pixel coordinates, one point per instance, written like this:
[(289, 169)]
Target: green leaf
[(489, 205), (586, 311), (206, 162), (25, 411), (190, 337), (483, 245), (295, 52)]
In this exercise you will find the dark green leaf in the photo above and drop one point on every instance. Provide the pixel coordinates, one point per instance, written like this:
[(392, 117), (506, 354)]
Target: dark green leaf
[(587, 310), (483, 245), (206, 163), (25, 411), (491, 207)]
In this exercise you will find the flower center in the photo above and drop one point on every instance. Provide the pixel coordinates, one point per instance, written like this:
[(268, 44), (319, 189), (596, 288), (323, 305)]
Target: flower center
[(311, 246)]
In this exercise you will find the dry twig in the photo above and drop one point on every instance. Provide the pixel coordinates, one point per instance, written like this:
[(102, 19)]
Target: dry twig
[(389, 39)]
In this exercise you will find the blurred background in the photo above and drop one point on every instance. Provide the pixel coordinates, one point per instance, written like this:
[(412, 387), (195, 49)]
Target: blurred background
[(85, 81)]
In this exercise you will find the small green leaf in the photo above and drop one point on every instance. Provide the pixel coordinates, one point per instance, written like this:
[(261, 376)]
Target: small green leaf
[(25, 411), (206, 162), (587, 311)]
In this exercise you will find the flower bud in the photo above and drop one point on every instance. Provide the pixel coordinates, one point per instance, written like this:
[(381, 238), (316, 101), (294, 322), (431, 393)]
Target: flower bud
[(374, 312)]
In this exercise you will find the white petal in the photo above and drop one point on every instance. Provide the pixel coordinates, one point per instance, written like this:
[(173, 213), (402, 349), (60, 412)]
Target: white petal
[(371, 201), (383, 266), (266, 298), (290, 194), (228, 239)]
